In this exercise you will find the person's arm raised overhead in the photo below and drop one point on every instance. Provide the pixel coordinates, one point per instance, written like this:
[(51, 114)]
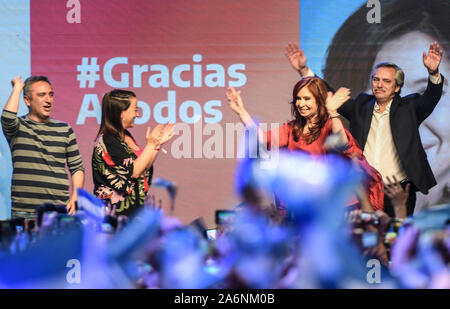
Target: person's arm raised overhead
[(236, 104), (432, 60), (13, 102), (430, 98), (298, 60), (10, 122)]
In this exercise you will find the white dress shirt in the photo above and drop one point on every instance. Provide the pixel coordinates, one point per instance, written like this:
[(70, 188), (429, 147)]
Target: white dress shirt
[(380, 149)]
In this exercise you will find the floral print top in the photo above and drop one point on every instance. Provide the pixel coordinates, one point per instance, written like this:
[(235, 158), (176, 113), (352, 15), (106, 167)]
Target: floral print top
[(112, 169)]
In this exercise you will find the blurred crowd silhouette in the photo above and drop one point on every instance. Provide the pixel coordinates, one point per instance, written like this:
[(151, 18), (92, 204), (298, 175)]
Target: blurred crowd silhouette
[(311, 241)]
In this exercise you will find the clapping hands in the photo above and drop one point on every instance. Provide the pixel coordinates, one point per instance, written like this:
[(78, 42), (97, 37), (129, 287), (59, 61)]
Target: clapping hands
[(160, 135)]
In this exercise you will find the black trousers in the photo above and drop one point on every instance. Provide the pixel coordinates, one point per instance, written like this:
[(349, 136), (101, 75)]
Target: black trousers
[(410, 204)]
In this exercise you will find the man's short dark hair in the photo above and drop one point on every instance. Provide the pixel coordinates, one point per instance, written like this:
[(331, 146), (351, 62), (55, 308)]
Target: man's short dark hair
[(30, 81), (354, 48)]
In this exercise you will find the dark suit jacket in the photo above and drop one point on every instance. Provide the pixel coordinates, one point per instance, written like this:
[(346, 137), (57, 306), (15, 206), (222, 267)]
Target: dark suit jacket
[(406, 114)]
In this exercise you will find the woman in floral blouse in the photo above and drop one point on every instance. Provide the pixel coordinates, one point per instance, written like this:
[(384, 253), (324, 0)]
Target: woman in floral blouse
[(122, 171)]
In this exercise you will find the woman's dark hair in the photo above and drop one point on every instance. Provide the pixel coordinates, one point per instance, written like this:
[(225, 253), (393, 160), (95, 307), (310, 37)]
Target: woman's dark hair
[(352, 53), (319, 90), (113, 104)]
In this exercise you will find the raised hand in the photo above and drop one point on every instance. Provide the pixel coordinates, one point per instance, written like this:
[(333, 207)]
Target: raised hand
[(334, 101), (17, 82), (235, 100), (296, 56), (398, 196), (432, 60)]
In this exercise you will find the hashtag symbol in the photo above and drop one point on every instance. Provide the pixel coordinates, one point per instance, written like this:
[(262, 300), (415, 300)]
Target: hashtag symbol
[(88, 72)]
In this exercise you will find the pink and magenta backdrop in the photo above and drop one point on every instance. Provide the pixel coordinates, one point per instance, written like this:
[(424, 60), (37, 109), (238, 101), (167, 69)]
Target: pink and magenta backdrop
[(170, 33)]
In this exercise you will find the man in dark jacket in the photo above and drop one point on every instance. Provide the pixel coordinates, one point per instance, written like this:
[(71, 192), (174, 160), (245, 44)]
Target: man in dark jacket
[(386, 125)]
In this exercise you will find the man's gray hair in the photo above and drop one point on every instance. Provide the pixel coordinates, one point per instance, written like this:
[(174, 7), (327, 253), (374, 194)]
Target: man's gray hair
[(30, 81), (399, 74)]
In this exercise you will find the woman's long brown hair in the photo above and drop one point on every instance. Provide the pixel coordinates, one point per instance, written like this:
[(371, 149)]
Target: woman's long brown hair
[(113, 104), (319, 90)]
